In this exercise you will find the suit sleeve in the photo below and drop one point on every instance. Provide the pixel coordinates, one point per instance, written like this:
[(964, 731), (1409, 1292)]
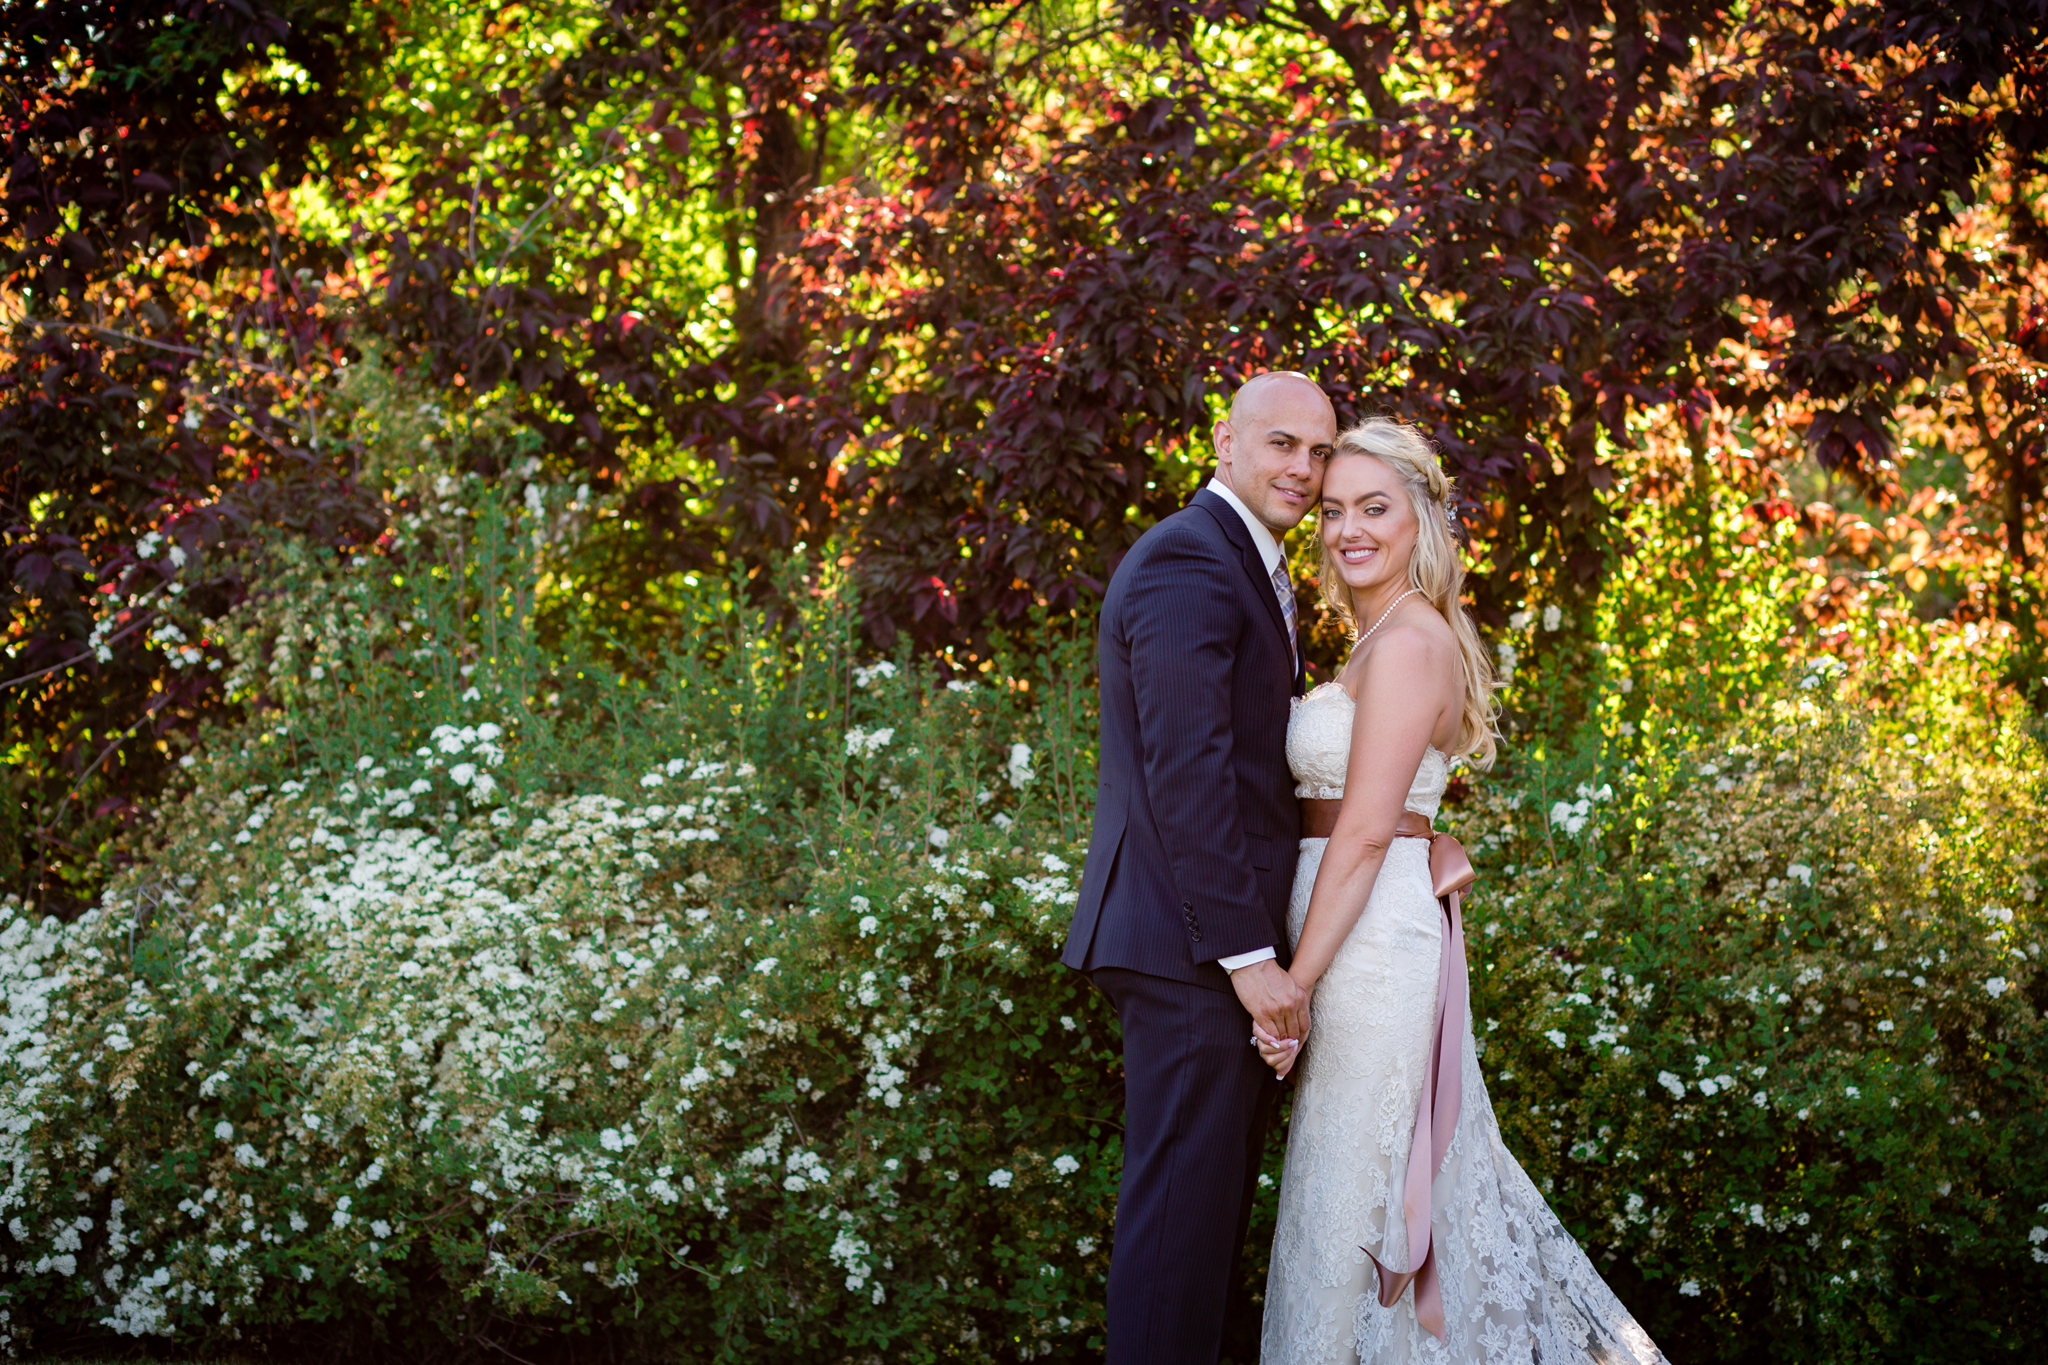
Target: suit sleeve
[(1183, 617)]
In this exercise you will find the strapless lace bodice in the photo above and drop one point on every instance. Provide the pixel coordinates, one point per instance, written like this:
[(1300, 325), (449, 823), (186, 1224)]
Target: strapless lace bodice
[(1319, 749)]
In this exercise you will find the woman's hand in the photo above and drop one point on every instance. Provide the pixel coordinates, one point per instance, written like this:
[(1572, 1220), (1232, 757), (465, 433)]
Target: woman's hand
[(1278, 1053)]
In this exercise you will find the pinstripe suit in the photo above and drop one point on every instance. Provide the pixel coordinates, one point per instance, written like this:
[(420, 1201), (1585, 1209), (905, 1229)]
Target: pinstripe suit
[(1191, 859)]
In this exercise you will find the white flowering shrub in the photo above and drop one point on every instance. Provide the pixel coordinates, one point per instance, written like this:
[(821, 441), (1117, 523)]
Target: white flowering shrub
[(1762, 1012), (470, 1005), (484, 999)]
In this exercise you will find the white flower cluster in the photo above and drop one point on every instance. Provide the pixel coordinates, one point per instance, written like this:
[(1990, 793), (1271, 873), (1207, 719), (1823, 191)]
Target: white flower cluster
[(404, 998), (477, 747), (1573, 815), (867, 743)]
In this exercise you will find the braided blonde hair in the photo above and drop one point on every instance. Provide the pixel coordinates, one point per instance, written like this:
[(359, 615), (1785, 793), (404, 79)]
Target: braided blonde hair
[(1436, 567)]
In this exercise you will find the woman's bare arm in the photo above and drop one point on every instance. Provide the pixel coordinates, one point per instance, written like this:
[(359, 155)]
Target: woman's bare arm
[(1402, 692)]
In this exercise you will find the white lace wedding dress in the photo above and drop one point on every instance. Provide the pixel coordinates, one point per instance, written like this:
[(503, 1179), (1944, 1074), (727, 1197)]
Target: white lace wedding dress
[(1515, 1287)]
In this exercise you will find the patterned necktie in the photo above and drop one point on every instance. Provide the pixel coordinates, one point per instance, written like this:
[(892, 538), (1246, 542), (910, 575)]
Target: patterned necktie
[(1284, 590)]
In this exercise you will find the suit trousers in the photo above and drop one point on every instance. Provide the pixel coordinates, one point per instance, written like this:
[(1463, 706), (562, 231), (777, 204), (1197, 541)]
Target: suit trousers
[(1197, 1100)]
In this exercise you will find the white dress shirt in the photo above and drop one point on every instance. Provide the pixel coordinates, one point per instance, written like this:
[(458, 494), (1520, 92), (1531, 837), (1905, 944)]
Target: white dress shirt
[(1270, 553)]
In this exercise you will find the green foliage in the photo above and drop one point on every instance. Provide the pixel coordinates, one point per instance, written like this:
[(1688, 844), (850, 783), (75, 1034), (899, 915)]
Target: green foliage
[(1762, 1014), (481, 996), (470, 1004), (1756, 958)]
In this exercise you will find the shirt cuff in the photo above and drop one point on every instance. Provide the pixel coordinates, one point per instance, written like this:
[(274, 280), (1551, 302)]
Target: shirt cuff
[(1232, 963)]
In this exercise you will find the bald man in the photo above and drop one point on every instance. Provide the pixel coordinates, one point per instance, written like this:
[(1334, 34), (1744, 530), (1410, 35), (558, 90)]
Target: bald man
[(1182, 916)]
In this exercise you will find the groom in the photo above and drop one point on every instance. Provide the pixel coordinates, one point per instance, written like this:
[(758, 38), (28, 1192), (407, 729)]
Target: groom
[(1182, 918)]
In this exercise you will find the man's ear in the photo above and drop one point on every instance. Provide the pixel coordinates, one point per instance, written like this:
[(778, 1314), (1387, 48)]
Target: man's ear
[(1224, 439)]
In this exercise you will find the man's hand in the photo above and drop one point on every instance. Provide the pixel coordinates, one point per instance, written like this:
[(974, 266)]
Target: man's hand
[(1275, 1002)]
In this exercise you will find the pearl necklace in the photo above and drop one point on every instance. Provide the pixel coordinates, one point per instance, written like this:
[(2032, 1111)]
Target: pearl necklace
[(1383, 618)]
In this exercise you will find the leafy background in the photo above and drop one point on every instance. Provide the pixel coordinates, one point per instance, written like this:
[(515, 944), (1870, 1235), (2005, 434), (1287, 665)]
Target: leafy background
[(424, 425)]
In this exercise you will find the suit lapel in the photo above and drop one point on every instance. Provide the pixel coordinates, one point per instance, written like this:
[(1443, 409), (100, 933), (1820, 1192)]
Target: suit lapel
[(1232, 525)]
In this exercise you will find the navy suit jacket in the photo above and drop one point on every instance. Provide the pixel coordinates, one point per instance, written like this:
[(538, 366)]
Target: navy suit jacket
[(1196, 824)]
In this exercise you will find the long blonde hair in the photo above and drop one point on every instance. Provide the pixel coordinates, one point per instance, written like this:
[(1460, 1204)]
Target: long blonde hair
[(1436, 566)]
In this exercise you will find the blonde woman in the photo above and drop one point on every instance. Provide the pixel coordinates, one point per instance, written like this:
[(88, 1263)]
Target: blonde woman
[(1407, 1231)]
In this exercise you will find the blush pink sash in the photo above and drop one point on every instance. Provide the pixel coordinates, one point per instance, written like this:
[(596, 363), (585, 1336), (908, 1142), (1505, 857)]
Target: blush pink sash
[(1436, 1118)]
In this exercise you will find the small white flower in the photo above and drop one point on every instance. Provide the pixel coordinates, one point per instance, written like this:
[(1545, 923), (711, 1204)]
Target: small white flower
[(1067, 1023), (1084, 1245), (462, 773), (611, 1140), (1556, 1037), (938, 837), (1065, 1164), (1852, 1092), (1672, 1083), (1520, 620), (1708, 1086), (652, 780), (767, 964), (1996, 986), (1000, 1179), (868, 742), (1689, 1288), (868, 925), (863, 677), (1884, 1026), (1560, 812), (380, 1228), (1553, 617), (1019, 769), (223, 1130), (1801, 873)]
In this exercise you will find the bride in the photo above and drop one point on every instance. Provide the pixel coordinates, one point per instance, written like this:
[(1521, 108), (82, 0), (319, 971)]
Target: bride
[(1448, 1254)]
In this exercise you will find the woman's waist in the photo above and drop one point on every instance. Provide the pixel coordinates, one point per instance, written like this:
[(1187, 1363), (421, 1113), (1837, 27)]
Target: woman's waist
[(1319, 820)]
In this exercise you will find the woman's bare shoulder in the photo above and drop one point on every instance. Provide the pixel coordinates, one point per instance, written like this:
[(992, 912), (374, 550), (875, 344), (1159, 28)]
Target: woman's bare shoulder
[(1416, 642)]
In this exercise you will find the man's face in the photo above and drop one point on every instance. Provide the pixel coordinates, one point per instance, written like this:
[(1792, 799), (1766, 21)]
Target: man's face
[(1272, 450)]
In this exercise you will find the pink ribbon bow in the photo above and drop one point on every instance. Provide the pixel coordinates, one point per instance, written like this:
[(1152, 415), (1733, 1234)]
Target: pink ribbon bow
[(1436, 1118)]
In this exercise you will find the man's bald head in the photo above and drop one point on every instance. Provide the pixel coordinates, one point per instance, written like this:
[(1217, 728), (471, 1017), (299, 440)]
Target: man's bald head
[(1271, 450), (1249, 393)]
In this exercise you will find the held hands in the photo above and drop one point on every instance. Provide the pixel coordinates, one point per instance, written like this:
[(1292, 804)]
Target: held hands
[(1279, 1010), (1278, 1053)]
